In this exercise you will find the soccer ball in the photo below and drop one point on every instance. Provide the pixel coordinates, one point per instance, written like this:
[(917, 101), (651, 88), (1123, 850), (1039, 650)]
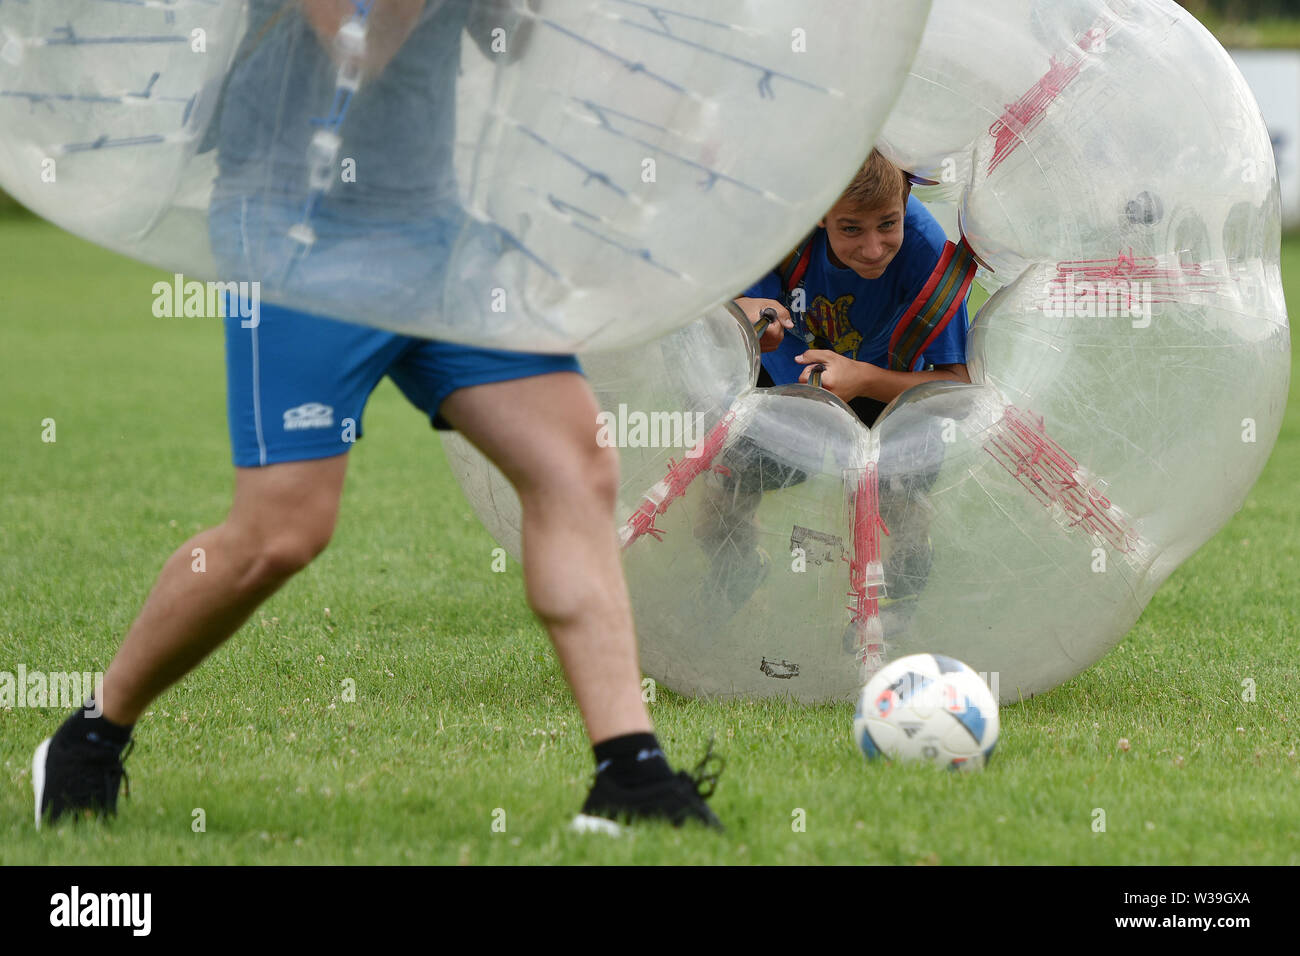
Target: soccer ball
[(927, 707)]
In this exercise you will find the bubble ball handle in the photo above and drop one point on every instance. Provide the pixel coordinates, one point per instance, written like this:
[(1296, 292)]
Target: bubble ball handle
[(765, 319)]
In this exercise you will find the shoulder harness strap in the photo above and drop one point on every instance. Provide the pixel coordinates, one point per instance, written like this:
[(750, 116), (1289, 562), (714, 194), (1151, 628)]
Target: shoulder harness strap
[(929, 314), (795, 266)]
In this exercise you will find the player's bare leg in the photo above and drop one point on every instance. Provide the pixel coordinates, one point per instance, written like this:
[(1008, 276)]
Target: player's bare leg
[(282, 517), (541, 432)]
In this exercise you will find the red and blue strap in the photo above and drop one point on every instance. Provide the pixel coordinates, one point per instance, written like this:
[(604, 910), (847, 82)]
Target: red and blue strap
[(930, 312), (795, 266)]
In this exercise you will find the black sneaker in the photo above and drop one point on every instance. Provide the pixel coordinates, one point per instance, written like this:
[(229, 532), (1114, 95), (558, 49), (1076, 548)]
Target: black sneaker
[(79, 777), (677, 800)]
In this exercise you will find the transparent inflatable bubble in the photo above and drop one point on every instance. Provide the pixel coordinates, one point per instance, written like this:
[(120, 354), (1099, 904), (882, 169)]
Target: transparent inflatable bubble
[(586, 174), (714, 570), (1007, 531), (1129, 377)]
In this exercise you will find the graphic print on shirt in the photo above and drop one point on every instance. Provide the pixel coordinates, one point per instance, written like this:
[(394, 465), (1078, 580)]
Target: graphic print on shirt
[(829, 321)]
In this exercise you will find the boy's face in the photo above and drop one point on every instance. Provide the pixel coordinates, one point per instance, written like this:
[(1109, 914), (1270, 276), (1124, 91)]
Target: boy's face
[(864, 240)]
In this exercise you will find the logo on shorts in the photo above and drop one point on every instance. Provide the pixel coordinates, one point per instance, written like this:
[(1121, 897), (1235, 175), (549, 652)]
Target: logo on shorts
[(311, 415)]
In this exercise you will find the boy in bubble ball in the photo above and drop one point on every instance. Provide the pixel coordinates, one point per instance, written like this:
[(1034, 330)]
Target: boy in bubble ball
[(842, 295), (295, 381), (867, 261)]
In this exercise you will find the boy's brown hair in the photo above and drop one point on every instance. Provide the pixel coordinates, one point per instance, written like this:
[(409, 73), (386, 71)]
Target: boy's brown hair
[(877, 184)]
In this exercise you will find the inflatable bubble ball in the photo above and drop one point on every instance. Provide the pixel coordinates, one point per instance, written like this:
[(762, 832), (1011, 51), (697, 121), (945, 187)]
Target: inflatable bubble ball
[(544, 177), (1115, 182)]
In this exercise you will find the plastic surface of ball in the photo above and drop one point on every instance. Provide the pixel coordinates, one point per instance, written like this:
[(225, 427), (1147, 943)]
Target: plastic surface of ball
[(543, 177), (1128, 379), (927, 708)]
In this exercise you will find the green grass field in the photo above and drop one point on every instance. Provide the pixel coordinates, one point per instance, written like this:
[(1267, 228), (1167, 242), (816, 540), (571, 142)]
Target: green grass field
[(460, 706)]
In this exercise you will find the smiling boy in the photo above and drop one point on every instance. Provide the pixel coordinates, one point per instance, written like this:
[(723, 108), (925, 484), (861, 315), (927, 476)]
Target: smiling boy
[(879, 294), (862, 270)]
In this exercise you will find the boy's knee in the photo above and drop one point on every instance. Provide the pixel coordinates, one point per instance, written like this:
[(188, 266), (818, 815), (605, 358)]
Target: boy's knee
[(587, 474), (274, 551), (287, 551), (593, 479), (283, 517)]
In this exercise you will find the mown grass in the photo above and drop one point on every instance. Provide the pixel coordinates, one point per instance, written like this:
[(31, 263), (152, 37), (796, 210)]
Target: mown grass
[(460, 707)]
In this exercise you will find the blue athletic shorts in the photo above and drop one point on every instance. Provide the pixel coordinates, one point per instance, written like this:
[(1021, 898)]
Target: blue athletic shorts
[(297, 384)]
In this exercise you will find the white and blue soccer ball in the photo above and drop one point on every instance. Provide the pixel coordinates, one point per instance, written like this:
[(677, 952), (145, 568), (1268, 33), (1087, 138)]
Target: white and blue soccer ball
[(927, 707)]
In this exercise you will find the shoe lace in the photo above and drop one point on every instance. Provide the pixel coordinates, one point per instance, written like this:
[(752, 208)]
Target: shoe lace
[(704, 778), (121, 762)]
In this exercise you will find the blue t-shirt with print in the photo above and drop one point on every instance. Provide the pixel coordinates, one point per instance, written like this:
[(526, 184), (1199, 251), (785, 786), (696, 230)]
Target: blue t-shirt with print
[(856, 315)]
